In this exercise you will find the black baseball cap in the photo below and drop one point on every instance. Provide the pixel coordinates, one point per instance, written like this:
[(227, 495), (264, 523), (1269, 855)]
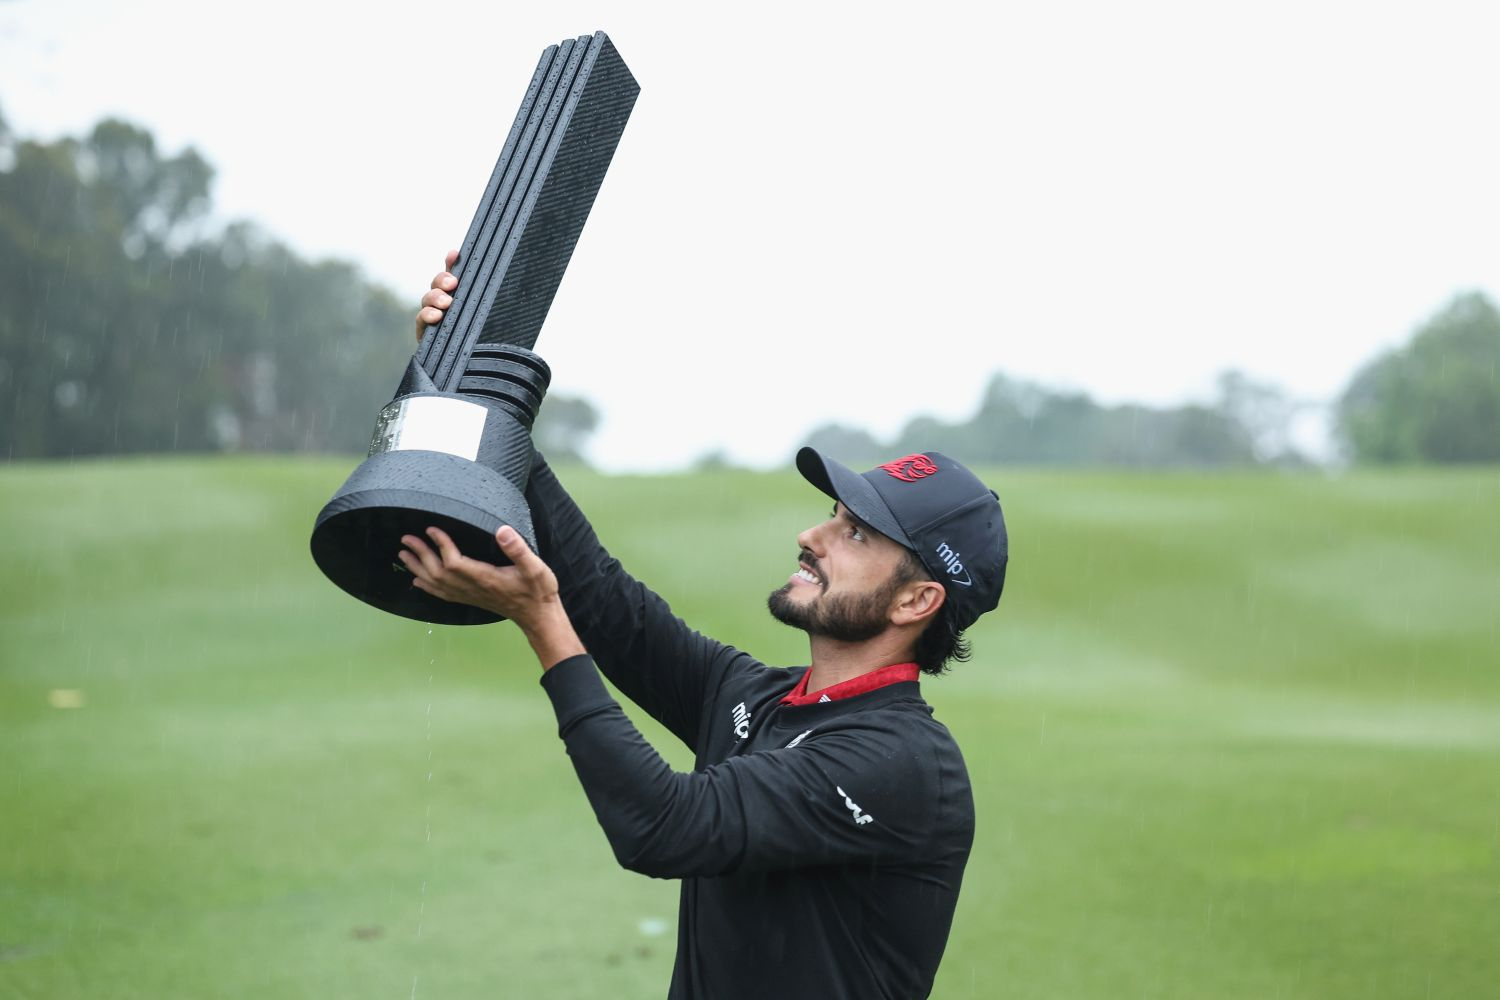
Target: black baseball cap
[(935, 507)]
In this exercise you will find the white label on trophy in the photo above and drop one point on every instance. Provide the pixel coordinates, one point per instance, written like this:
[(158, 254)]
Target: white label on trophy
[(430, 423)]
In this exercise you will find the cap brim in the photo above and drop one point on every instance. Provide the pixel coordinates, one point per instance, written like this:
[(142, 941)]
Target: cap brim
[(853, 491)]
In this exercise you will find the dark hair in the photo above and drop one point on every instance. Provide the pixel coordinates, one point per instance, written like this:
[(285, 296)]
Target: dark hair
[(941, 641)]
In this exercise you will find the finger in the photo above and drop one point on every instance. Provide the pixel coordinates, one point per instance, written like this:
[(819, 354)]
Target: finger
[(429, 316), (437, 298), (445, 281), (451, 556), (427, 561), (450, 258), (518, 552), (431, 564), (419, 575)]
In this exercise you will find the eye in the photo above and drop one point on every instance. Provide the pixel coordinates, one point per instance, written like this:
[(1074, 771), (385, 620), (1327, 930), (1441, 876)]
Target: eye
[(855, 533)]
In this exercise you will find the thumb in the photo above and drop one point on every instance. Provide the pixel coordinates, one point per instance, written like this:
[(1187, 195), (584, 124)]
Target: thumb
[(518, 552)]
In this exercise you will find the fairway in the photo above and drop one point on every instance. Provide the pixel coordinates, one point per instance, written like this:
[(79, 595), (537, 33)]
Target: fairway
[(1231, 736)]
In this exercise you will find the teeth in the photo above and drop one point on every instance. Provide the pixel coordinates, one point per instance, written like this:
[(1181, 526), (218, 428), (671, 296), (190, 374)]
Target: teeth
[(804, 574)]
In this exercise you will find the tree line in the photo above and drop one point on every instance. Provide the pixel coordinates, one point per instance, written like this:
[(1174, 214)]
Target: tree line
[(1023, 422), (1436, 399), (130, 323)]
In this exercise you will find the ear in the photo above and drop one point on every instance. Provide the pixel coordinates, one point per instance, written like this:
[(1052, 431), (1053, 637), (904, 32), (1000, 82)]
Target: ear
[(917, 602)]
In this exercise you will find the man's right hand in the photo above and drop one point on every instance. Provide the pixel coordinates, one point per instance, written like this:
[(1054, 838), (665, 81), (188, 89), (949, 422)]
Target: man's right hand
[(438, 298), (525, 591)]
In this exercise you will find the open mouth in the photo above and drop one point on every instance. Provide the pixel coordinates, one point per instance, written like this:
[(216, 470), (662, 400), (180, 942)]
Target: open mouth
[(806, 575)]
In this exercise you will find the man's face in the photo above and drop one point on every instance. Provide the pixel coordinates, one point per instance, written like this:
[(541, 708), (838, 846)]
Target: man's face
[(848, 575)]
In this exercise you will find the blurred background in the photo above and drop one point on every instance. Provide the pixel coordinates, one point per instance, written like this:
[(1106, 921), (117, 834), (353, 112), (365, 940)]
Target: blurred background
[(1208, 294)]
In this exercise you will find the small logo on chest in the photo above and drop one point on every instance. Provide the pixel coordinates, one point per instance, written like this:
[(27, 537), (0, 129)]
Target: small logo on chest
[(741, 721), (797, 739)]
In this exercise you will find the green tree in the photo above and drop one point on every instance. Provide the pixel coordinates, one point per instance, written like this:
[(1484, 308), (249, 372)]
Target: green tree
[(563, 426), (1023, 422), (1266, 413), (1436, 399), (128, 324), (849, 445)]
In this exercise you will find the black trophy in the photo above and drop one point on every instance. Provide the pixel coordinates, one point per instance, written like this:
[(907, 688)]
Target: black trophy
[(453, 448)]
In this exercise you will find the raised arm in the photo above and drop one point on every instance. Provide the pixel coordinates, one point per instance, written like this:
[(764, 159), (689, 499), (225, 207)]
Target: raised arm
[(650, 654), (839, 797)]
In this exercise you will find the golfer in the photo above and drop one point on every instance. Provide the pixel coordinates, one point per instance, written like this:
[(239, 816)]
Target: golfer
[(822, 836)]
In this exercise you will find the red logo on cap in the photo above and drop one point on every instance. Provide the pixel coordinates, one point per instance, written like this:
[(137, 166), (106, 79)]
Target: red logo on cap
[(911, 468)]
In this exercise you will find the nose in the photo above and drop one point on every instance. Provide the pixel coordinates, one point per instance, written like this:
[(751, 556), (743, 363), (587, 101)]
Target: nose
[(811, 539)]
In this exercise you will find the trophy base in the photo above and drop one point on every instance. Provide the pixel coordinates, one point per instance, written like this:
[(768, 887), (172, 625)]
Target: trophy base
[(358, 534)]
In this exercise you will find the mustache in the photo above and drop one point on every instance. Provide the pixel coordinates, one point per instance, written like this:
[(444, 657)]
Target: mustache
[(809, 560)]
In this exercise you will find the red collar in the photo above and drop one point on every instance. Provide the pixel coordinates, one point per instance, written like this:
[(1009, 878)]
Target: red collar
[(893, 674)]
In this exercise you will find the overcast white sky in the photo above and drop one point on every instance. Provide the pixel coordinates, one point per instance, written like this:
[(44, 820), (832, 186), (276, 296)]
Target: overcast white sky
[(856, 212)]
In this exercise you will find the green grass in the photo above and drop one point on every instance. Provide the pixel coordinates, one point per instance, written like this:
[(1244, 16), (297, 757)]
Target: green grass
[(1230, 735)]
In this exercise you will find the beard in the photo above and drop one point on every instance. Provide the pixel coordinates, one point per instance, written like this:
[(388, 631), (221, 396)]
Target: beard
[(841, 617)]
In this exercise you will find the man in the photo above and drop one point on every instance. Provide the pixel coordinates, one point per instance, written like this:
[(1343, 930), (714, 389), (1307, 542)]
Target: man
[(822, 836)]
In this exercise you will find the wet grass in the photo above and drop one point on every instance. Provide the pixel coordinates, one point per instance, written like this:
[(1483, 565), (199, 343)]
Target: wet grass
[(1230, 736)]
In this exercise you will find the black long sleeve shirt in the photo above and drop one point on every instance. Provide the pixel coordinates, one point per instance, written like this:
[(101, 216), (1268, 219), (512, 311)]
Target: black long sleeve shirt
[(820, 847)]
